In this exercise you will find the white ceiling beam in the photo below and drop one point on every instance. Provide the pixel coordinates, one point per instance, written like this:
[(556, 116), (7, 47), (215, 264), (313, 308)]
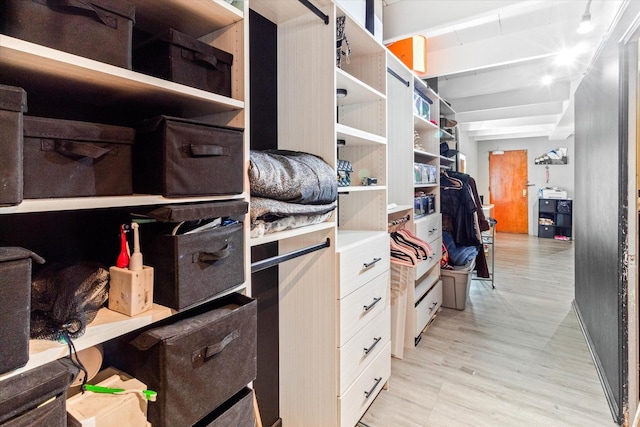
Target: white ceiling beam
[(553, 93), (537, 134), (550, 119), (512, 130), (511, 112)]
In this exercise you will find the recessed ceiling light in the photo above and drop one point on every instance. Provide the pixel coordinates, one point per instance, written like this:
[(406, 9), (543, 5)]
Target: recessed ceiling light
[(546, 80)]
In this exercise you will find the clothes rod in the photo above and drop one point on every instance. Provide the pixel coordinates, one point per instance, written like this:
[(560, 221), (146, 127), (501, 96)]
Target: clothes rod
[(397, 76), (314, 9), (270, 262)]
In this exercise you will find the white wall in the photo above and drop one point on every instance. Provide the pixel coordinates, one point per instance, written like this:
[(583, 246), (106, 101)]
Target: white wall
[(561, 176)]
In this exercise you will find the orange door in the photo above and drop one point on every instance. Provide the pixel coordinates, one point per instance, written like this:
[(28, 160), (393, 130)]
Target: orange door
[(508, 191)]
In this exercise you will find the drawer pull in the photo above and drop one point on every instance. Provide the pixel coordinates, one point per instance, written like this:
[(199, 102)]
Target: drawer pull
[(372, 346), (370, 392), (370, 306), (433, 230), (435, 303), (369, 264)]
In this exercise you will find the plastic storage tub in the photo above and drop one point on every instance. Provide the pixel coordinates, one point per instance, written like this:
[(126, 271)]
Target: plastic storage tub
[(455, 286)]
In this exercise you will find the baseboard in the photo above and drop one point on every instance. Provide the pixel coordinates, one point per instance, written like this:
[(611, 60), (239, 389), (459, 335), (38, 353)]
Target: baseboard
[(278, 423), (613, 405)]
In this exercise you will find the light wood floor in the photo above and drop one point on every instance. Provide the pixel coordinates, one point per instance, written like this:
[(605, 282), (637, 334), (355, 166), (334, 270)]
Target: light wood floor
[(514, 357)]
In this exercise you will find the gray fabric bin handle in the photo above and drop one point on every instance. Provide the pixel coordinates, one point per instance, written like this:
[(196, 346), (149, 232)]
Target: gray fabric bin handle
[(203, 150), (204, 354), (75, 149), (201, 58), (86, 8), (211, 257)]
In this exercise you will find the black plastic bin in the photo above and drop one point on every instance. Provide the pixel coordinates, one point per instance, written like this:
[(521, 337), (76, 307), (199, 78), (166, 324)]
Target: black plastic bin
[(13, 103)]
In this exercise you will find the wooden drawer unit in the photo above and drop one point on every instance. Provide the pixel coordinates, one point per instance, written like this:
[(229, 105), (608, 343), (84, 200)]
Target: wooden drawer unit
[(422, 314), (361, 262), (362, 306), (429, 228), (360, 350), (365, 388)]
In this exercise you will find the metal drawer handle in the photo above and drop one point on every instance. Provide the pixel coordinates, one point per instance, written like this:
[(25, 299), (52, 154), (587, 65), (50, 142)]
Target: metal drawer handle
[(433, 230), (433, 305), (370, 392), (370, 306), (369, 264), (372, 346)]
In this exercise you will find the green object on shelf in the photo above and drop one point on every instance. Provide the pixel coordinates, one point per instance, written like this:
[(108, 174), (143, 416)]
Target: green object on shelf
[(148, 394)]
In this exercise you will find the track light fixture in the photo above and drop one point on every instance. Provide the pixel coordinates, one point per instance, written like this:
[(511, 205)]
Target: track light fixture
[(585, 21)]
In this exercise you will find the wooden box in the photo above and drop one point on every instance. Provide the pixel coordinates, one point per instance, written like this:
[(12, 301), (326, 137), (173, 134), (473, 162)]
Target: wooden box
[(130, 292)]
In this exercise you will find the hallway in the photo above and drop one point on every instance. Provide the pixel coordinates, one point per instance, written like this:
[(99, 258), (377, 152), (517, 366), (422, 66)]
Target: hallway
[(516, 356)]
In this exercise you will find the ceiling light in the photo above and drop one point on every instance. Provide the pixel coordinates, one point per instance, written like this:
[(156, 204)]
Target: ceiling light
[(497, 152), (546, 80), (585, 22)]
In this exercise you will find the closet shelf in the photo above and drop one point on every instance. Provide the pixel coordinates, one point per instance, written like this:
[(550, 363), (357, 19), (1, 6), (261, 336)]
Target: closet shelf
[(425, 154), (358, 92), (22, 61), (420, 123), (399, 208), (280, 12), (196, 18), (357, 137), (79, 203), (287, 234), (355, 188), (447, 160), (431, 185)]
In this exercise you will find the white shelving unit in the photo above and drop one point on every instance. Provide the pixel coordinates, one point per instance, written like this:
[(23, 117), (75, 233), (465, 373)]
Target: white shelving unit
[(319, 290)]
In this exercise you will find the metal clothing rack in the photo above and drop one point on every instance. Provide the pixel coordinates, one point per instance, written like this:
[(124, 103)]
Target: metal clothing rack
[(488, 238), (270, 262)]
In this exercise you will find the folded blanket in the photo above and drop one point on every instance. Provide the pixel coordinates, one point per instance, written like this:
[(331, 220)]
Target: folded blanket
[(292, 176), (271, 210)]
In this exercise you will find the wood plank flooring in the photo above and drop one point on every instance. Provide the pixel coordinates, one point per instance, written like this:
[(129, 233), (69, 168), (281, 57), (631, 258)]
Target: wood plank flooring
[(514, 357)]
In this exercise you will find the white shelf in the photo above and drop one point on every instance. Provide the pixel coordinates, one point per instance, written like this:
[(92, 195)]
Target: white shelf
[(429, 185), (107, 325), (425, 154), (419, 219), (359, 37), (355, 188), (196, 18), (79, 203), (446, 136), (447, 159), (281, 11), (357, 137), (399, 208), (115, 86), (287, 234), (357, 91), (420, 123)]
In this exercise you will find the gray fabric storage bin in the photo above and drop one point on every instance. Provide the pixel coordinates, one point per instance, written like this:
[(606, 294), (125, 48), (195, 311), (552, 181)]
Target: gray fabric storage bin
[(196, 363), (178, 157), (190, 268), (15, 294), (13, 102), (96, 29), (22, 396), (236, 412), (68, 158)]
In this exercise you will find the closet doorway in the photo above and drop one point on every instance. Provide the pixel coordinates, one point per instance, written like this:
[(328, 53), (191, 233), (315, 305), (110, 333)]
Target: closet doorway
[(508, 190)]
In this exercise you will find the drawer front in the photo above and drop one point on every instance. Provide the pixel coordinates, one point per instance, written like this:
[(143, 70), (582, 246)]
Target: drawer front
[(547, 205), (361, 307), (546, 231), (353, 404), (429, 228), (359, 264), (360, 350), (428, 307), (428, 263)]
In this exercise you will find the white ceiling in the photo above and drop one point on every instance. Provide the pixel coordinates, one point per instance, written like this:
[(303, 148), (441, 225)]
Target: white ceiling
[(490, 56)]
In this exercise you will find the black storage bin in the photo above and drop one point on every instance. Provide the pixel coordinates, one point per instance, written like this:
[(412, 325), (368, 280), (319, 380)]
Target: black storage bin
[(546, 231), (196, 363), (179, 157), (95, 29), (236, 412), (13, 102), (183, 59), (65, 158), (190, 268), (547, 205), (22, 396), (15, 294)]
